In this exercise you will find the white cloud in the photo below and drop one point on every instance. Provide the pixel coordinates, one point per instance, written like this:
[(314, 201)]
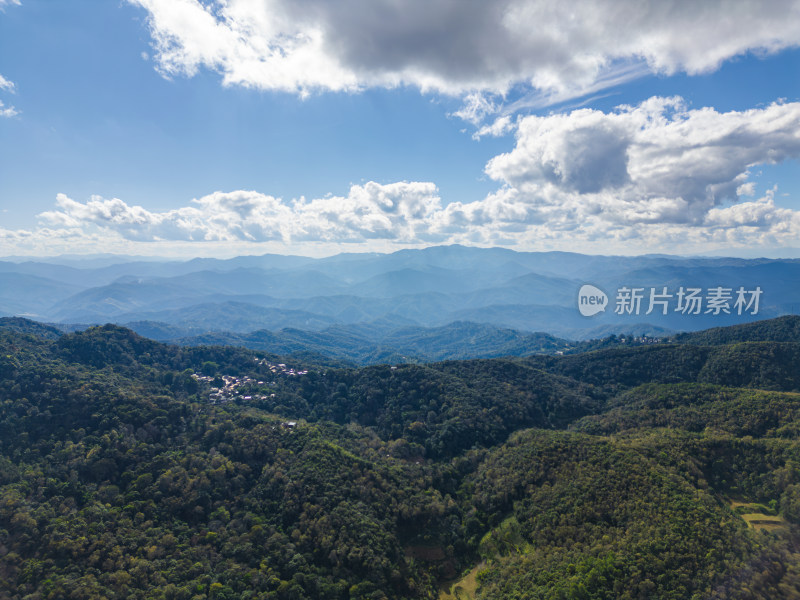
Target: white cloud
[(656, 176), (655, 162), (397, 212), (460, 47), (7, 111), (761, 214), (216, 217), (253, 44), (4, 3), (6, 85), (476, 107), (501, 126), (746, 189)]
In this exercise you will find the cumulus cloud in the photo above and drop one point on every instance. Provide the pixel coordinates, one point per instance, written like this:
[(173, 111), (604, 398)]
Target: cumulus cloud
[(655, 162), (217, 217), (253, 44), (761, 214), (655, 175), (397, 212), (460, 46)]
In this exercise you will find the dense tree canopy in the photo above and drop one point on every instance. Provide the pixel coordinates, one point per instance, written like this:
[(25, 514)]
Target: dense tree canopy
[(134, 469)]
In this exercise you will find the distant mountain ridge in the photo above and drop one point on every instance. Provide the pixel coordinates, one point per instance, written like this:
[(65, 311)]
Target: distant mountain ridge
[(432, 287), (392, 340), (459, 340)]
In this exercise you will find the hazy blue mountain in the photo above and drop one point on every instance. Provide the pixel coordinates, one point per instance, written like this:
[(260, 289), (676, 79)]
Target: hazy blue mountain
[(471, 340), (235, 316), (528, 317), (101, 304), (264, 261), (343, 308), (366, 344), (137, 294), (531, 288), (85, 261), (30, 295), (781, 279), (380, 327), (488, 265), (54, 272), (338, 344), (403, 281), (273, 312), (163, 331), (98, 273), (273, 282), (431, 287)]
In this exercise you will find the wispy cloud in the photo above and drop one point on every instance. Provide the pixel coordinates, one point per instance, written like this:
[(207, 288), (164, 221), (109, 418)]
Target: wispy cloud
[(610, 77), (7, 86), (472, 48), (7, 111)]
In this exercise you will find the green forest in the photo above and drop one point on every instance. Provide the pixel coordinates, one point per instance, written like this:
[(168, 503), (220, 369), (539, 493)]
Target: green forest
[(134, 469)]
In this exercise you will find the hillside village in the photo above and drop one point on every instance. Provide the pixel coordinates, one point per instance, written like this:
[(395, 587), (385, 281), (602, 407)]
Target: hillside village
[(225, 388)]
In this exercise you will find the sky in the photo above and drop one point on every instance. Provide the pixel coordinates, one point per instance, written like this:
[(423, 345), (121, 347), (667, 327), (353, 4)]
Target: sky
[(227, 127)]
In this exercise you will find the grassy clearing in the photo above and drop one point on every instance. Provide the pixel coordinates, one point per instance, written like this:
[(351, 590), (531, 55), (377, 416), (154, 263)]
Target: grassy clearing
[(503, 540), (463, 589), (758, 516), (764, 522)]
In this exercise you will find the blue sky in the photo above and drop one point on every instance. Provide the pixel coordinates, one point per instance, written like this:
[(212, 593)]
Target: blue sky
[(175, 127)]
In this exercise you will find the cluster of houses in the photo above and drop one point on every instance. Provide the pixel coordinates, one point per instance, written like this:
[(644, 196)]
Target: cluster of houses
[(225, 388), (279, 368), (232, 387), (643, 339)]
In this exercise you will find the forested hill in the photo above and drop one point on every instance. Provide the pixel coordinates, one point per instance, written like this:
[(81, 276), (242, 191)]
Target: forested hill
[(781, 329), (130, 468)]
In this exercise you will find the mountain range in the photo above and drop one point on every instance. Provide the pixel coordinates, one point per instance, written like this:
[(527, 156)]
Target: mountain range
[(379, 298)]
